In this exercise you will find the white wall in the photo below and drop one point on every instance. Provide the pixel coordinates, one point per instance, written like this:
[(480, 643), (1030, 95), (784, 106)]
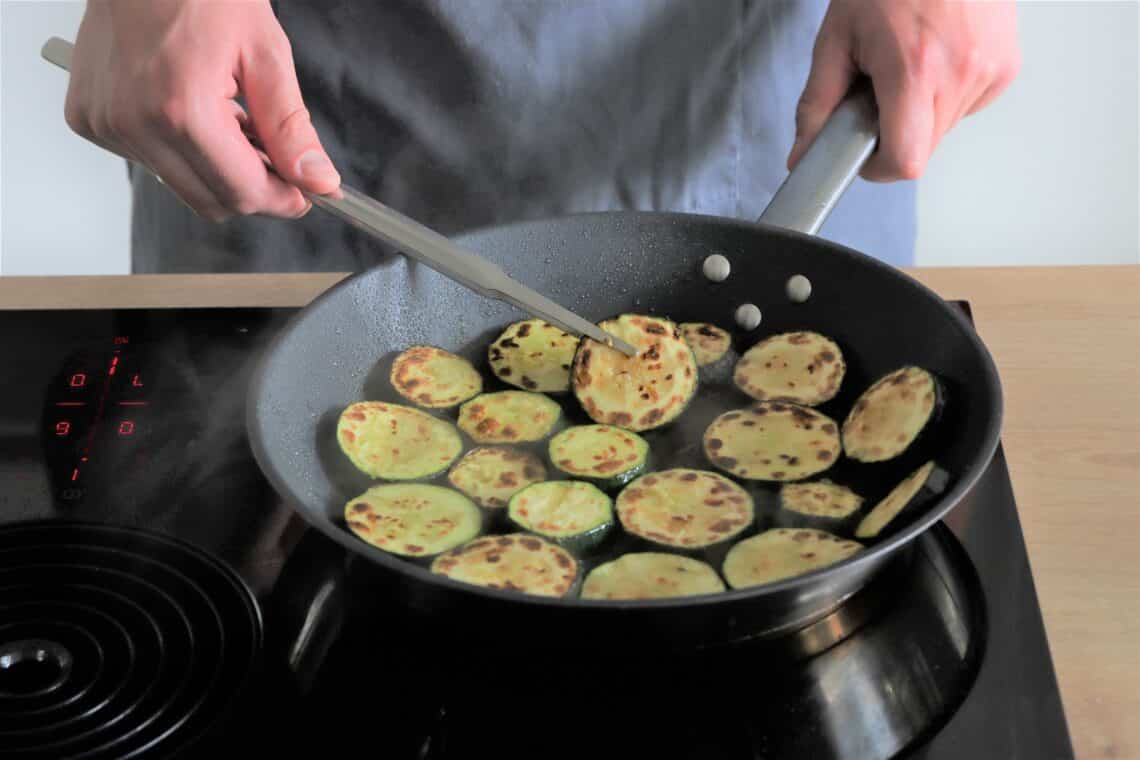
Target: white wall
[(1047, 175), (64, 204)]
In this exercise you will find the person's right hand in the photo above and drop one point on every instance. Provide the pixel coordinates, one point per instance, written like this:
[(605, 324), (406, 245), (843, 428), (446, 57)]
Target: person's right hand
[(155, 80)]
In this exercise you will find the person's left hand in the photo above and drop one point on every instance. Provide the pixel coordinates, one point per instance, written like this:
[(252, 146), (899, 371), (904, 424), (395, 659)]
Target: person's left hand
[(931, 63)]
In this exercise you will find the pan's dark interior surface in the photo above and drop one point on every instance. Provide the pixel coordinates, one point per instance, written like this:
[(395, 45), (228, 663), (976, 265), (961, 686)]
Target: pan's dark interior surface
[(340, 349)]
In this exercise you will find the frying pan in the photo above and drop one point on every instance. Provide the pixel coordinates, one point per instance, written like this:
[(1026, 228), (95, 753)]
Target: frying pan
[(338, 349)]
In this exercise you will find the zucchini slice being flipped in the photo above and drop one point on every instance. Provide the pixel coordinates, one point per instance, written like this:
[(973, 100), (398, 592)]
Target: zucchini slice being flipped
[(924, 483), (820, 504), (636, 393), (802, 367), (570, 513), (773, 440), (534, 355), (491, 475), (607, 455), (518, 562), (434, 378), (509, 417), (783, 553), (651, 575), (413, 519), (685, 509), (396, 442), (890, 415), (709, 342)]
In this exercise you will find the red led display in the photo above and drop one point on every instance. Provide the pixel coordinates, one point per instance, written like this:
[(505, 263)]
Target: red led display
[(126, 427), (78, 380), (136, 381), (62, 428)]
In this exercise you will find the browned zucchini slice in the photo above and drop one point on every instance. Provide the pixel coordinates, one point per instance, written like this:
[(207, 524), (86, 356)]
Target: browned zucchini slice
[(772, 440), (802, 367), (891, 414), (683, 508), (783, 553), (516, 562), (434, 378)]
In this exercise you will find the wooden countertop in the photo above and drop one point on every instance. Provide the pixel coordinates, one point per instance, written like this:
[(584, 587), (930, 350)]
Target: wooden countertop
[(1067, 345)]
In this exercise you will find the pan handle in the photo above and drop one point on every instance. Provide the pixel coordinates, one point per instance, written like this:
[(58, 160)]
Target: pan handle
[(825, 171)]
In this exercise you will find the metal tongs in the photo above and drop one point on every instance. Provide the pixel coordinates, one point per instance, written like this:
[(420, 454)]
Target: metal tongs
[(421, 243)]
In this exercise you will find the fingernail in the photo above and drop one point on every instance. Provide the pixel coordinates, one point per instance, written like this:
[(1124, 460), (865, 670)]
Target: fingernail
[(313, 164)]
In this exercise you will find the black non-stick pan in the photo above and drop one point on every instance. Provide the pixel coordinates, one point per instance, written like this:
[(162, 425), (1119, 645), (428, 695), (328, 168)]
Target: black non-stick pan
[(337, 351)]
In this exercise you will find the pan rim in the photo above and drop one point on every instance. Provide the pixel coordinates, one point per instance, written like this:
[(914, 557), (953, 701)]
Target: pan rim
[(879, 552)]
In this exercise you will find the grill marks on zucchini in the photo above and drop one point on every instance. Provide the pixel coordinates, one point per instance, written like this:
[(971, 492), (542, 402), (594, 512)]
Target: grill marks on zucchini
[(571, 513), (605, 454), (413, 519), (491, 475), (783, 553), (641, 392), (651, 575), (927, 481), (685, 509), (396, 442), (708, 342), (534, 355), (509, 417), (890, 415), (801, 367), (434, 378), (516, 562), (773, 440)]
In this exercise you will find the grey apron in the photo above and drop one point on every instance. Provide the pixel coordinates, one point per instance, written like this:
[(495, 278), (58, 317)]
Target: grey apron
[(468, 113)]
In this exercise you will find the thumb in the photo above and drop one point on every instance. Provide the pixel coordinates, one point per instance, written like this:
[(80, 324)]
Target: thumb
[(281, 121), (832, 73)]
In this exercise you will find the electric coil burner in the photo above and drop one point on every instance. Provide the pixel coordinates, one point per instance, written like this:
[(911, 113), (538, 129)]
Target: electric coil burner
[(115, 642), (140, 551)]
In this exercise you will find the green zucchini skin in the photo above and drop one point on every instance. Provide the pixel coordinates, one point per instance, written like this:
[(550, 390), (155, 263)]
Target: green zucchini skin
[(895, 413), (520, 562), (533, 355), (509, 417), (821, 504), (605, 455), (638, 393), (920, 487), (397, 442), (574, 514)]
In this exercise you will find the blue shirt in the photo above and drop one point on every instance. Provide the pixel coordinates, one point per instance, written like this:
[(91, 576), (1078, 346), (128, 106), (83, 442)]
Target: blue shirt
[(468, 113)]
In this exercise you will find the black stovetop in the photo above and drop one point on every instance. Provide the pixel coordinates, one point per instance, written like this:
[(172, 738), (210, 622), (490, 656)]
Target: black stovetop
[(134, 419)]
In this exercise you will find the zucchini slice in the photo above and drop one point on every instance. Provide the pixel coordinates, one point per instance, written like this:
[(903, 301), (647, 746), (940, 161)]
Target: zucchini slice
[(607, 455), (571, 513), (801, 367), (773, 440), (518, 562), (396, 442), (491, 475), (925, 482), (890, 415), (509, 417), (641, 392), (431, 377), (534, 355), (819, 504), (651, 575), (709, 342), (783, 553), (684, 509), (413, 519)]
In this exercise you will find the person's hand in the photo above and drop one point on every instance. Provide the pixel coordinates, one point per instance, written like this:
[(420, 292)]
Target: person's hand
[(931, 63), (155, 80)]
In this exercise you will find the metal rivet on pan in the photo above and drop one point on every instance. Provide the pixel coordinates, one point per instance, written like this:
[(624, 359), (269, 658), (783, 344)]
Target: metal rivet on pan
[(716, 268), (748, 316), (798, 288)]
